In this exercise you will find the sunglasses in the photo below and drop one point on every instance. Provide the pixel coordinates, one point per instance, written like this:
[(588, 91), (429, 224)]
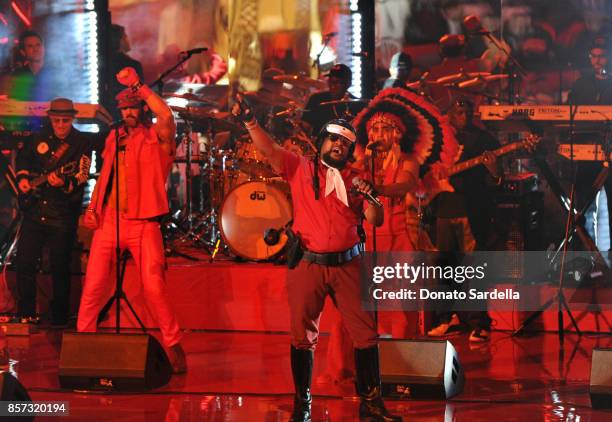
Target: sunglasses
[(61, 119), (334, 138)]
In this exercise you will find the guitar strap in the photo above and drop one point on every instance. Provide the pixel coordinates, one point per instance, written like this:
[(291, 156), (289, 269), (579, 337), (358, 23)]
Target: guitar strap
[(56, 156)]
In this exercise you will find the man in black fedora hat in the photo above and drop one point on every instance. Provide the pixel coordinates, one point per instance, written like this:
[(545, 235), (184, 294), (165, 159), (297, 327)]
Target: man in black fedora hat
[(52, 169)]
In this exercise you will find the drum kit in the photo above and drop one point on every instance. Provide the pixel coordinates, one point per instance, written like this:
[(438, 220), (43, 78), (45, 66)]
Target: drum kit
[(224, 194)]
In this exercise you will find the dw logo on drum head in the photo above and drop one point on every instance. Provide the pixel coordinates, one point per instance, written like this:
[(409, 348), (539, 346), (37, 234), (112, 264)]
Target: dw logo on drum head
[(258, 195)]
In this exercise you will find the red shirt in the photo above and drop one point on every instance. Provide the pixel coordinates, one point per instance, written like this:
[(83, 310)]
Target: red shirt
[(326, 225), (147, 167)]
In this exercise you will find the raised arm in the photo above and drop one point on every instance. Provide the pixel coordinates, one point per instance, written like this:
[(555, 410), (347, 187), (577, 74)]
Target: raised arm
[(261, 139), (165, 126)]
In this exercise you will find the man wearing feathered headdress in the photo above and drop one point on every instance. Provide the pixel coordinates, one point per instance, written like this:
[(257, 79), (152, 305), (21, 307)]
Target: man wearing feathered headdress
[(405, 135)]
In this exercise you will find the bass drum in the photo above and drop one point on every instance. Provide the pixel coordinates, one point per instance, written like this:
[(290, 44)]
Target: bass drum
[(248, 211)]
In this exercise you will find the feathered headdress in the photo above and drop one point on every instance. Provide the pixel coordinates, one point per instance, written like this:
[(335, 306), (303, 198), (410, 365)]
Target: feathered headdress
[(427, 135)]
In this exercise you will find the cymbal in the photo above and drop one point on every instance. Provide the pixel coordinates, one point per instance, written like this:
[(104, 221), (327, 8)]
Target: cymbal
[(481, 81), (217, 120), (496, 77), (421, 82), (301, 81), (268, 98), (192, 112), (416, 85), (192, 97), (456, 77), (347, 101)]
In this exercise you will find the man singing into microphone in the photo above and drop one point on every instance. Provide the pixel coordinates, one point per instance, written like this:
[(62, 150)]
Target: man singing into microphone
[(326, 217), (398, 130), (146, 152)]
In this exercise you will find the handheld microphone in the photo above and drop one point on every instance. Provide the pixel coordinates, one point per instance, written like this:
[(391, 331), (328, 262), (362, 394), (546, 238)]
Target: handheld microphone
[(330, 35), (373, 145), (371, 197), (194, 51)]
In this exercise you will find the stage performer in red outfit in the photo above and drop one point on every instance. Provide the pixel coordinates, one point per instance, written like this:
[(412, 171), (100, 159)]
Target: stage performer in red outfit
[(403, 133), (326, 216), (146, 153)]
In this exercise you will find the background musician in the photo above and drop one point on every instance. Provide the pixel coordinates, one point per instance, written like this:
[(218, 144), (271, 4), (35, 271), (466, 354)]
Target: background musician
[(464, 218), (50, 217), (594, 87)]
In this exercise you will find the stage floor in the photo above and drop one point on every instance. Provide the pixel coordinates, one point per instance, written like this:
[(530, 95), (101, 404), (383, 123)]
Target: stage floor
[(245, 376)]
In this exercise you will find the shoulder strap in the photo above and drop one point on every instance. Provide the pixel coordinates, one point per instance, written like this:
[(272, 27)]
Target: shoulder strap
[(56, 156)]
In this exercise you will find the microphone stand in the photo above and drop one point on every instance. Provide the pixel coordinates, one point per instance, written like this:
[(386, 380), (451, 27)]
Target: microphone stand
[(317, 61), (159, 82), (119, 262), (374, 245), (512, 76), (373, 174), (508, 54), (559, 296)]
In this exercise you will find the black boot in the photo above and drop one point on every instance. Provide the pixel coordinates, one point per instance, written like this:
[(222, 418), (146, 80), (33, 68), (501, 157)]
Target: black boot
[(301, 367), (368, 386)]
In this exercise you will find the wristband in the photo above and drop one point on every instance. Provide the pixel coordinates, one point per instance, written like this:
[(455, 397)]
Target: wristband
[(251, 124), (143, 91), (136, 86)]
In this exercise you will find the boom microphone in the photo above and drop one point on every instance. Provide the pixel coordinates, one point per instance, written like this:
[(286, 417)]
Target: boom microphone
[(194, 51)]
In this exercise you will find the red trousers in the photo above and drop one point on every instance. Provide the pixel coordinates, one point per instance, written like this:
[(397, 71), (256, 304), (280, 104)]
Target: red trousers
[(144, 241), (307, 286)]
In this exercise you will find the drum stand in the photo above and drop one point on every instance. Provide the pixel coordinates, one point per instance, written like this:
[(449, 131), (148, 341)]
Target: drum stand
[(170, 246), (205, 232)]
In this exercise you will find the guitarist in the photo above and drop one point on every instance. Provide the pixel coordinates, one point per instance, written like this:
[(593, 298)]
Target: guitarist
[(464, 217), (52, 211)]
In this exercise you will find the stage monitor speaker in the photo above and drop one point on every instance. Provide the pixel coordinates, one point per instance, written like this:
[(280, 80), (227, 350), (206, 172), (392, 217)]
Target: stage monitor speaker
[(420, 369), (600, 386), (11, 390), (101, 361)]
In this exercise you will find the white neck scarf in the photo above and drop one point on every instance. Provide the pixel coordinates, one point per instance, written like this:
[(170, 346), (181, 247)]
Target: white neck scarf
[(334, 182)]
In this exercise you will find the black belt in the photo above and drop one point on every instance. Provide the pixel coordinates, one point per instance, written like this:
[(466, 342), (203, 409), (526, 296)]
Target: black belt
[(334, 258)]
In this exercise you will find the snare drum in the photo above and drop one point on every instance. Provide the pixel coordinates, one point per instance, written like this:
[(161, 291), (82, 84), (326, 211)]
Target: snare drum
[(248, 211)]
